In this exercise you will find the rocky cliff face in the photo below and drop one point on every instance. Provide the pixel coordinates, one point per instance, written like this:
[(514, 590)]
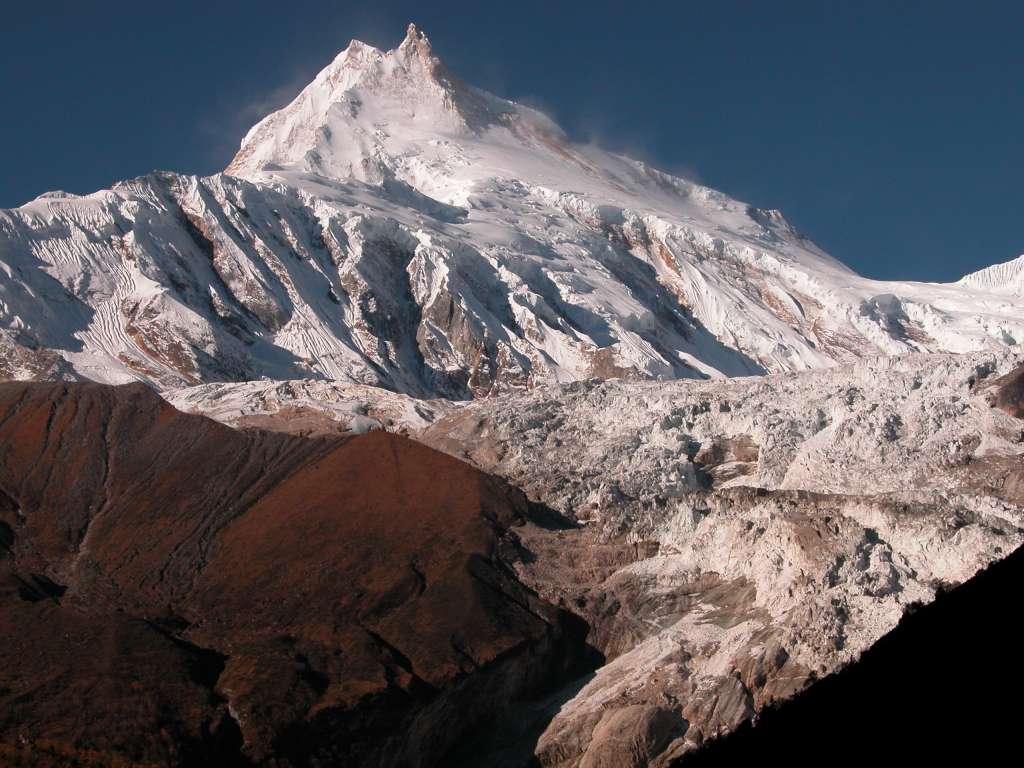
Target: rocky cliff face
[(176, 592), (1007, 393)]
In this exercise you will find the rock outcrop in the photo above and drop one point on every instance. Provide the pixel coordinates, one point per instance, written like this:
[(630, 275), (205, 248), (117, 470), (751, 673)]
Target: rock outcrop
[(1008, 393)]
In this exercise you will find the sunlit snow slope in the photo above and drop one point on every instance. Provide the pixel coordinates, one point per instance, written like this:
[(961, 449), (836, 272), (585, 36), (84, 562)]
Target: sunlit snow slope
[(395, 227)]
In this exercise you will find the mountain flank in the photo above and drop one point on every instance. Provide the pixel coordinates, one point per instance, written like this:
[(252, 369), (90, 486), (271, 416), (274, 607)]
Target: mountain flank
[(175, 592)]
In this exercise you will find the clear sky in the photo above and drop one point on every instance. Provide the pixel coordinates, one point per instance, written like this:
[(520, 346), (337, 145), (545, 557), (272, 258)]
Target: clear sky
[(889, 132)]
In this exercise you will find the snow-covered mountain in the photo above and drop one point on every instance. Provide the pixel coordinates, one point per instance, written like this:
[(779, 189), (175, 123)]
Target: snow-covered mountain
[(393, 226)]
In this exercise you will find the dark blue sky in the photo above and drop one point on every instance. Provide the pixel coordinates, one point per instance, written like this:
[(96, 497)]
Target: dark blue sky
[(889, 132)]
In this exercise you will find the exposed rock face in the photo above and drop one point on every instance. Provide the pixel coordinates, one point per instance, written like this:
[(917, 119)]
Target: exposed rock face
[(742, 539), (1008, 393), (177, 592), (629, 735), (25, 360)]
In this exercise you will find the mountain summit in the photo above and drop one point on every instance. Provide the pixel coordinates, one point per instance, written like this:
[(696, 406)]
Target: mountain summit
[(396, 227), (372, 115), (336, 125)]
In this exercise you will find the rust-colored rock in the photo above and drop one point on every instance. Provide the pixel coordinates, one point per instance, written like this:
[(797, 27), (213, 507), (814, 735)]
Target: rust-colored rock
[(1009, 393), (173, 591)]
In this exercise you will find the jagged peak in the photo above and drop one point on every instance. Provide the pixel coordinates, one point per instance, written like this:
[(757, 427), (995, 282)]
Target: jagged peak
[(364, 64), (416, 42), (329, 127)]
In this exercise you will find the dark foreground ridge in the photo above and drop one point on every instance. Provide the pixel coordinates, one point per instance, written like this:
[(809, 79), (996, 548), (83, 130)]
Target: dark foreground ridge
[(174, 592), (940, 689)]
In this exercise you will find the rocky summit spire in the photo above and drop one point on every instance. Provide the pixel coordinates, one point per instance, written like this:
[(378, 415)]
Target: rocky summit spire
[(418, 56), (415, 39)]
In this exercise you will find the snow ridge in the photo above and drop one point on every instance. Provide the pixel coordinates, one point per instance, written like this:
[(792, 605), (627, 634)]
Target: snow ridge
[(1007, 277)]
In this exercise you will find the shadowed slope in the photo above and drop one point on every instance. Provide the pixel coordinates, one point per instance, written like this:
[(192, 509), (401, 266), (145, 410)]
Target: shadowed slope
[(174, 591)]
